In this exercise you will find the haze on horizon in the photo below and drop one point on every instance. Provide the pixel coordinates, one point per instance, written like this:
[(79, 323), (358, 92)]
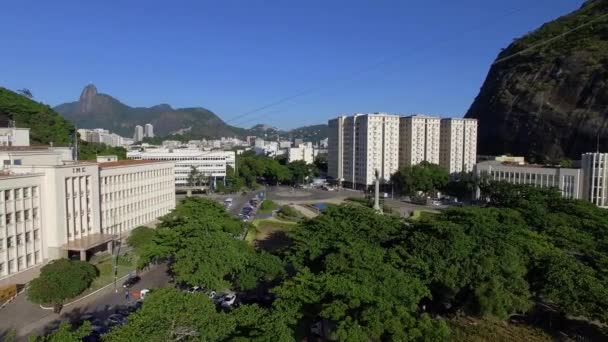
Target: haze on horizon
[(233, 57)]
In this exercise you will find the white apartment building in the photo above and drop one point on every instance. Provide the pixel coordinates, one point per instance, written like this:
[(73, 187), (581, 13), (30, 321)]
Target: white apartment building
[(371, 143), (568, 181), (303, 152), (51, 207), (101, 136), (134, 193), (458, 152), (418, 140), (595, 168), (335, 148), (12, 136), (149, 130), (209, 163), (138, 135)]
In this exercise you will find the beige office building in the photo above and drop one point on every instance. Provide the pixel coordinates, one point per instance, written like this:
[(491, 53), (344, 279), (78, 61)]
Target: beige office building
[(458, 151), (418, 140)]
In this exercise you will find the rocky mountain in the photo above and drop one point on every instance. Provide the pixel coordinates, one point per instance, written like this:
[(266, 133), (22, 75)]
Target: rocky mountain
[(313, 133), (97, 110), (46, 126), (546, 95)]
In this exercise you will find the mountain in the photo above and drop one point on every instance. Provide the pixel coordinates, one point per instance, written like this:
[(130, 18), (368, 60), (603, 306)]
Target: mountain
[(313, 133), (546, 95), (46, 126), (96, 110)]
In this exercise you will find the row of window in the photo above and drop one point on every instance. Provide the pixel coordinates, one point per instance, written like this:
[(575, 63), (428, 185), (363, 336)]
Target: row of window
[(19, 239), (135, 176), (12, 268), (181, 158), (136, 207), (18, 193), (19, 216), (128, 193)]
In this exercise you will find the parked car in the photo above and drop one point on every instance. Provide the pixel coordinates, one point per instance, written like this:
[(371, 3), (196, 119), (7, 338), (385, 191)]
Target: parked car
[(212, 295), (228, 300), (131, 281)]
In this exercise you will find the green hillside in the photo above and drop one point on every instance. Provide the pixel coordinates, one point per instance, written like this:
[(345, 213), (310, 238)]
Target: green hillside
[(46, 125)]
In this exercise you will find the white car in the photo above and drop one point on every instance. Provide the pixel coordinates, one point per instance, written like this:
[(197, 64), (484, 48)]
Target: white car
[(228, 300)]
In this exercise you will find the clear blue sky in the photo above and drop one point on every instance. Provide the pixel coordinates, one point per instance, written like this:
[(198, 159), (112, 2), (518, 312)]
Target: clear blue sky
[(235, 56)]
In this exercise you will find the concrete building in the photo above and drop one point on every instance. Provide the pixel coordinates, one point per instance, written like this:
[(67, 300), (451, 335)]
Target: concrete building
[(139, 134), (595, 187), (11, 136), (134, 193), (568, 181), (101, 136), (211, 164), (149, 130), (458, 152), (303, 152), (419, 140), (370, 144), (335, 148)]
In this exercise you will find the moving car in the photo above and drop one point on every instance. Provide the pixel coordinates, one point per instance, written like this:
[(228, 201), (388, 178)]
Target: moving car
[(131, 281), (228, 300)]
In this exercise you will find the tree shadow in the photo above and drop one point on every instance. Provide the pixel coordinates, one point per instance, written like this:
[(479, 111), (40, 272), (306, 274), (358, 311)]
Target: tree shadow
[(274, 242)]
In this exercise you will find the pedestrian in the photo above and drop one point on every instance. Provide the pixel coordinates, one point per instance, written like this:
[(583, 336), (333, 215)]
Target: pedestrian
[(127, 296)]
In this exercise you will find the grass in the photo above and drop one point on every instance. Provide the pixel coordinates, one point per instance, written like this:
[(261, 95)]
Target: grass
[(263, 228), (422, 213), (287, 213), (267, 206), (126, 263), (478, 330)]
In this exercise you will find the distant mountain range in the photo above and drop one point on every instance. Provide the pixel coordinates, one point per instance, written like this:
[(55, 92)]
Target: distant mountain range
[(97, 110)]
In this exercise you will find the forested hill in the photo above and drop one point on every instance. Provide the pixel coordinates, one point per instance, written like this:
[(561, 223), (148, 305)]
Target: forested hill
[(45, 124), (546, 94)]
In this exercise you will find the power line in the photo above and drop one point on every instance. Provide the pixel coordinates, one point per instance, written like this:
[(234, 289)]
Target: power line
[(534, 46), (368, 68)]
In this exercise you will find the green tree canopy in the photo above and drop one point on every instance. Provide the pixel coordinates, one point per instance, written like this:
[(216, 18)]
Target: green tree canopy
[(424, 177)]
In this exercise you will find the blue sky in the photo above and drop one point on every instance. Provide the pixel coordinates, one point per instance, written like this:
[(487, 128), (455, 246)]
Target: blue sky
[(235, 56)]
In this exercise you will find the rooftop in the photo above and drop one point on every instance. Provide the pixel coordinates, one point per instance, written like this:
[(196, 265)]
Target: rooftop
[(30, 148), (120, 163)]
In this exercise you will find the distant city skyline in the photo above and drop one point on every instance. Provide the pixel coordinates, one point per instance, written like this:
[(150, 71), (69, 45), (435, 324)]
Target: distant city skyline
[(322, 58)]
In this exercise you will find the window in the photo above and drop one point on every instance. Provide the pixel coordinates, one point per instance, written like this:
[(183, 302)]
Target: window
[(26, 214), (7, 195), (35, 213), (35, 191), (1, 267), (9, 242), (19, 239), (9, 218), (26, 193), (36, 234), (27, 237), (36, 256), (20, 262), (17, 162), (18, 216), (28, 259), (1, 245), (17, 193), (11, 266)]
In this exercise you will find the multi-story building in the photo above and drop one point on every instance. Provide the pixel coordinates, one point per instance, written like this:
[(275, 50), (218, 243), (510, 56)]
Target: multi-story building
[(304, 152), (138, 135), (134, 193), (335, 148), (419, 140), (52, 206), (101, 136), (12, 136), (370, 145), (595, 187), (458, 151), (568, 181), (212, 164), (149, 130)]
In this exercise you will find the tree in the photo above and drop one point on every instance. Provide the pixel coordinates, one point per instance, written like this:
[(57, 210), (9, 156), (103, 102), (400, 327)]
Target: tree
[(424, 177), (195, 177), (60, 280), (321, 162), (26, 92), (65, 334), (90, 151), (463, 187), (300, 171)]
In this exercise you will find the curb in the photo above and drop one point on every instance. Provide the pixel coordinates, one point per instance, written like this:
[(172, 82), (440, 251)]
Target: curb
[(87, 296)]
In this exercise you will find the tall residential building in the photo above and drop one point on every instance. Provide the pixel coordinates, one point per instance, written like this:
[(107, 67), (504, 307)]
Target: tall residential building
[(370, 144), (595, 186), (139, 133), (335, 148), (304, 152), (458, 145), (419, 140), (149, 131)]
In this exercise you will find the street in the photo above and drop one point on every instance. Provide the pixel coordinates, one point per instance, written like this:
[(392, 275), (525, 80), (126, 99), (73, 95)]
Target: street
[(29, 319)]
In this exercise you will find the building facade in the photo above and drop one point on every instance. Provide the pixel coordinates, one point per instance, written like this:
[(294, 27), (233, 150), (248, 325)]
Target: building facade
[(138, 135), (458, 147), (12, 136), (304, 153), (595, 188), (149, 130), (212, 164), (419, 140), (134, 193), (335, 149), (568, 181)]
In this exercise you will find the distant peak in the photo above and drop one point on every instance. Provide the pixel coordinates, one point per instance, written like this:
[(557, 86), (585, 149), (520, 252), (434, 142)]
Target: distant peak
[(86, 97)]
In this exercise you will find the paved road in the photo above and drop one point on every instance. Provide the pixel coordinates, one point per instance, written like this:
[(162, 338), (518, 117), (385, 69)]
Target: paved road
[(30, 319)]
